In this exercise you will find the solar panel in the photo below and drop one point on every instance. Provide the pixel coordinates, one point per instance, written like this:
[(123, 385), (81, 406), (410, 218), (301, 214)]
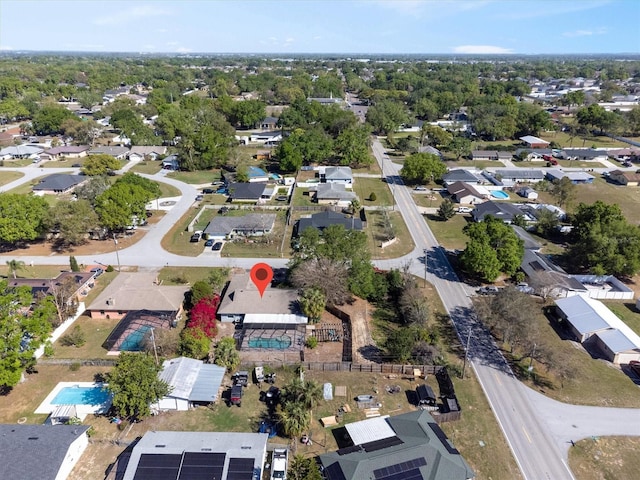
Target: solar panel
[(334, 472), (202, 466), (240, 469), (347, 450), (158, 466), (201, 458), (381, 444), (409, 470), (200, 473), (443, 438)]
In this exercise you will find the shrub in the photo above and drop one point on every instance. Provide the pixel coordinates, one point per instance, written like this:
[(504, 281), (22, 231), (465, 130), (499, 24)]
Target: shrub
[(203, 315), (48, 350), (194, 343), (312, 342), (75, 366), (109, 268), (373, 197), (75, 338)]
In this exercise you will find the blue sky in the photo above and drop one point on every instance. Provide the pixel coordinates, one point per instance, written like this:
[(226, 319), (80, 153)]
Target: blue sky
[(329, 26)]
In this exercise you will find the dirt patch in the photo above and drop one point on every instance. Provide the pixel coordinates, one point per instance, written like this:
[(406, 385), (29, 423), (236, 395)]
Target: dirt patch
[(364, 348)]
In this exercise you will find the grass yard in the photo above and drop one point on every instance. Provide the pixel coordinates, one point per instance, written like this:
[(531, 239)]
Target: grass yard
[(376, 235), (9, 176), (626, 311), (178, 275), (605, 458), (565, 141), (27, 188), (479, 164), (23, 162), (66, 163), (167, 190), (449, 233), (427, 199), (199, 177), (37, 271), (364, 187), (627, 197), (302, 197), (148, 167), (580, 164), (374, 168), (270, 246), (95, 333), (177, 239)]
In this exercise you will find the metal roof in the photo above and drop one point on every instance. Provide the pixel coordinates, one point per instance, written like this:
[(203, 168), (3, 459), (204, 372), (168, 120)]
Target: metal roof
[(370, 430), (616, 341), (581, 312)]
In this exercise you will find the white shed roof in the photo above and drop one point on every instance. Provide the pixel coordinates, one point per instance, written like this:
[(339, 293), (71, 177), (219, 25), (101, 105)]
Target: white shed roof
[(370, 430), (191, 379)]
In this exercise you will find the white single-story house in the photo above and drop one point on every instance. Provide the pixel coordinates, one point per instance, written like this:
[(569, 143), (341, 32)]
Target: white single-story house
[(192, 383), (333, 194), (462, 175), (591, 321), (171, 163), (629, 179), (20, 151), (470, 194), (267, 138), (534, 142), (249, 225), (576, 178), (43, 452), (139, 152), (117, 152)]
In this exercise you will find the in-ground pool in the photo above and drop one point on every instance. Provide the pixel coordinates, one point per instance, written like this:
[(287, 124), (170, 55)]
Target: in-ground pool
[(499, 194), (135, 340), (275, 343), (78, 395)]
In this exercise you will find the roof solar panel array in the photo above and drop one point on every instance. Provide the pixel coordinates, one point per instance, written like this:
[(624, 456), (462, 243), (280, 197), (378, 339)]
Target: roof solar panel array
[(240, 469), (186, 466), (409, 470)]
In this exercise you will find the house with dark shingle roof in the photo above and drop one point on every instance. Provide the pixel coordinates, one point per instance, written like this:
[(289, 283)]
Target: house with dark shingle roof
[(117, 152), (58, 183), (43, 452), (246, 191), (463, 192), (501, 210), (408, 446), (322, 220), (70, 151), (333, 194), (461, 175)]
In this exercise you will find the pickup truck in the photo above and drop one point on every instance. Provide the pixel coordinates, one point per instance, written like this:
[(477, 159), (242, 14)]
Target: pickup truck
[(235, 397)]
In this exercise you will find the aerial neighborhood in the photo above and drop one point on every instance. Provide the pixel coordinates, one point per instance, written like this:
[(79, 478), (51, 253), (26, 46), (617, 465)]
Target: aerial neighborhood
[(227, 267)]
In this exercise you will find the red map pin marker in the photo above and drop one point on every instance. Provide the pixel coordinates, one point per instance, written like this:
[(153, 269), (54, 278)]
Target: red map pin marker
[(261, 275)]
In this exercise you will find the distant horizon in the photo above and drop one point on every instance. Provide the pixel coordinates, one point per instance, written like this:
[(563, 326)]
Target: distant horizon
[(400, 27)]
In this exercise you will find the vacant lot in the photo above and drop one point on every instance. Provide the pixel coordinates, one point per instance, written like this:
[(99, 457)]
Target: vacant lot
[(377, 233), (566, 141), (148, 167), (364, 187), (449, 232), (9, 176), (605, 458), (200, 177)]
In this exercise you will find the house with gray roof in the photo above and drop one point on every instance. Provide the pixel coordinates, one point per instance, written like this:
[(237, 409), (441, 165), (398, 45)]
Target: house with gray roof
[(20, 151), (342, 175), (519, 175), (501, 210), (333, 194), (249, 225), (59, 183), (534, 142), (43, 452), (576, 178), (408, 446), (322, 220), (461, 175), (65, 151), (197, 455), (463, 192), (117, 152), (192, 383), (141, 152)]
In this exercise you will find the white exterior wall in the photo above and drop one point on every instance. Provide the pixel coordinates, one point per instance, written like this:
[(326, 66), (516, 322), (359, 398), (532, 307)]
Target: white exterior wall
[(626, 357), (73, 455), (173, 403)]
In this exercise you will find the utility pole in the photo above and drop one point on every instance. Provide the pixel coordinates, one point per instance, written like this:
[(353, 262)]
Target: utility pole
[(466, 352), (426, 257), (115, 243), (533, 353)]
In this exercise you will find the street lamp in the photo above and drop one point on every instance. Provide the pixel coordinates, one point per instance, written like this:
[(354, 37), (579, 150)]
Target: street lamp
[(115, 243)]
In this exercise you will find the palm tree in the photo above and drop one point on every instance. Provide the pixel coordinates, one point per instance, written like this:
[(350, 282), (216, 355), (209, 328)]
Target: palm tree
[(14, 266), (295, 419)]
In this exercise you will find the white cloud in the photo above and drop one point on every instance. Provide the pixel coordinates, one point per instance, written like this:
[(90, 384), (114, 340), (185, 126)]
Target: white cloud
[(430, 8), (172, 44), (481, 49), (559, 9), (5, 48), (585, 33), (131, 14), (183, 50)]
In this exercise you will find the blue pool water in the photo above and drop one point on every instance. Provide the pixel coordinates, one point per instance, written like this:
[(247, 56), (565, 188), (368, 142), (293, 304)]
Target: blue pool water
[(81, 396), (275, 343), (499, 194), (135, 340)]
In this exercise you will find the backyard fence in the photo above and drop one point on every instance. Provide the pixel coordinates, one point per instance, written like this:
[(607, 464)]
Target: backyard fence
[(87, 362)]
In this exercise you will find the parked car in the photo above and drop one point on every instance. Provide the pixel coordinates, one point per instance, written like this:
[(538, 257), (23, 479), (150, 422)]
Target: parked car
[(241, 378), (217, 247), (525, 288), (487, 290), (282, 198), (279, 464), (465, 209), (208, 243), (222, 191), (272, 397), (627, 164), (195, 238), (208, 191), (76, 165), (97, 271), (420, 188), (199, 198), (235, 397)]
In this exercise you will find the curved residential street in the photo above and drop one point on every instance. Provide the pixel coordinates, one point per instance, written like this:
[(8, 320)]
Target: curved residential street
[(538, 429)]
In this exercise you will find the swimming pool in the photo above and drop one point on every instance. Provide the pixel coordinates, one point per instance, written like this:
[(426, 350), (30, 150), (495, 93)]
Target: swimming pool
[(499, 194), (135, 340), (77, 395), (274, 343)]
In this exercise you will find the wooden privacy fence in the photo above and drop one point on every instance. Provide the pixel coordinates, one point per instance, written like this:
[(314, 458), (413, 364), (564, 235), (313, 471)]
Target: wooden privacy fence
[(87, 362)]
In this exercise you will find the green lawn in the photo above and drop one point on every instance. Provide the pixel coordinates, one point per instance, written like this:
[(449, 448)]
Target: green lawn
[(479, 164), (178, 275), (627, 311), (198, 177), (449, 234), (27, 187), (95, 332), (427, 199), (579, 164), (37, 271), (66, 163), (8, 177), (269, 246), (565, 141), (364, 187), (177, 239), (148, 167), (167, 190), (24, 162), (376, 234), (302, 198)]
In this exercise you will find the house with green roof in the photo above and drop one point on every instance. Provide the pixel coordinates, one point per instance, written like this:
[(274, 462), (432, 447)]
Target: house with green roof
[(411, 446)]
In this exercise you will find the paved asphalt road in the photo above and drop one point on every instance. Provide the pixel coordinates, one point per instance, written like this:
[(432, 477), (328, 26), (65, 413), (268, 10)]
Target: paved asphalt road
[(537, 429)]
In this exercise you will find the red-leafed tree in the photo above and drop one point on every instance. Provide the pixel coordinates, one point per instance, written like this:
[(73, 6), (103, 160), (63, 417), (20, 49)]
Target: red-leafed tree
[(203, 315)]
